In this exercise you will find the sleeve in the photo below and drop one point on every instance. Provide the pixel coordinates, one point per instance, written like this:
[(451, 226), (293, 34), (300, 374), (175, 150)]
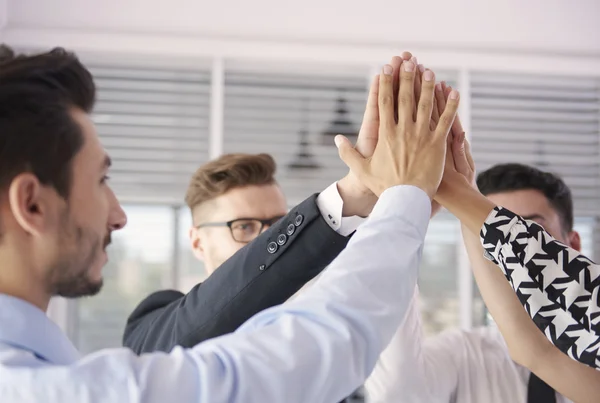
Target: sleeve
[(411, 369), (558, 286), (330, 205), (318, 348), (263, 274)]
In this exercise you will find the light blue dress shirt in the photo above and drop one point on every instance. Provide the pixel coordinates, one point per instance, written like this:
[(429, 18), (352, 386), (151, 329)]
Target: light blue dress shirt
[(318, 348)]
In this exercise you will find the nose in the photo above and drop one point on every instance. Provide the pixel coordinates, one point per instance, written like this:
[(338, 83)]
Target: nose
[(117, 219)]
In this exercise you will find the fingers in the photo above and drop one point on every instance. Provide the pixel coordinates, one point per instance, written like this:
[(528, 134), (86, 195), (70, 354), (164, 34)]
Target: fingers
[(457, 126), (460, 157), (468, 154), (426, 100), (396, 64), (418, 80), (447, 118), (386, 99), (406, 93), (351, 157), (449, 157), (369, 129), (440, 98)]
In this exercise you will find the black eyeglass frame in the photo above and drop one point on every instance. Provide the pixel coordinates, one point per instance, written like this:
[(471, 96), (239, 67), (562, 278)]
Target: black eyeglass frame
[(230, 223)]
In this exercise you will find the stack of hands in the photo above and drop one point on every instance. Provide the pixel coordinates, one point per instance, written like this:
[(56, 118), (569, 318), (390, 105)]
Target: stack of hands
[(410, 123)]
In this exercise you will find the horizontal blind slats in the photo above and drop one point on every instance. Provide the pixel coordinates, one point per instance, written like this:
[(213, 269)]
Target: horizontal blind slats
[(155, 125), (549, 122)]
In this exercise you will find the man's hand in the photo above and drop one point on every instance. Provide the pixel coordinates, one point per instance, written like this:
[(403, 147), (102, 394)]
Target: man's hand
[(435, 117), (408, 152), (358, 199)]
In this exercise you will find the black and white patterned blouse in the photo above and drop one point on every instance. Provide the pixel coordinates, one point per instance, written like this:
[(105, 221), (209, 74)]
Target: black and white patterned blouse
[(558, 286)]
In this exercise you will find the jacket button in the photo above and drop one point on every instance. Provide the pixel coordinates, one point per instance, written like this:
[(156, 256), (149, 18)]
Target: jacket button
[(272, 247), (290, 229), (281, 239), (262, 267), (298, 220)]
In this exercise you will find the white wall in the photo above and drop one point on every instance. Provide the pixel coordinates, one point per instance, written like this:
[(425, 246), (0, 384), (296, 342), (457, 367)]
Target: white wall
[(3, 16), (508, 34)]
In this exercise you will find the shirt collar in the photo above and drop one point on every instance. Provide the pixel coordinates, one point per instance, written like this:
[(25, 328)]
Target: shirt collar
[(25, 326)]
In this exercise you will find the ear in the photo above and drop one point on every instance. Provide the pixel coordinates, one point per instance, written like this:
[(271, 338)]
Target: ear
[(197, 243), (29, 203), (574, 240)]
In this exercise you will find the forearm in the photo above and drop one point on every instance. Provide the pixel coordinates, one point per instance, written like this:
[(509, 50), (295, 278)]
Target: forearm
[(465, 203), (526, 343), (524, 340), (557, 285), (574, 380)]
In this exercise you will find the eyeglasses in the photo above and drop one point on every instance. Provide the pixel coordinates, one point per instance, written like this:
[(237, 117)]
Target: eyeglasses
[(244, 230)]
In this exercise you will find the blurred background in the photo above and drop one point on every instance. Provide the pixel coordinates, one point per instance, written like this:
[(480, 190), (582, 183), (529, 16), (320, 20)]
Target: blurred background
[(183, 81)]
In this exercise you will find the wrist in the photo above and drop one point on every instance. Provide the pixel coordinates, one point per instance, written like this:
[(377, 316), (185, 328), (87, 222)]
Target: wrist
[(465, 203), (357, 199)]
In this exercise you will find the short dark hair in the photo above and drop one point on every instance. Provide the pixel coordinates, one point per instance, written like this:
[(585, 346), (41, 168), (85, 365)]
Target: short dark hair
[(37, 131), (227, 172), (511, 177)]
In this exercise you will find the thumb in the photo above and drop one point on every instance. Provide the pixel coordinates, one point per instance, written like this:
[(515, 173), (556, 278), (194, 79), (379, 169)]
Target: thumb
[(350, 157)]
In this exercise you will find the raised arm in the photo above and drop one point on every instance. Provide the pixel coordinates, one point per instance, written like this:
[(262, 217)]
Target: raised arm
[(254, 279), (251, 280), (527, 345)]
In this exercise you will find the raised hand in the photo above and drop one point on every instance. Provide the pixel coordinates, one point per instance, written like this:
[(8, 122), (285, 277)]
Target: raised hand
[(358, 199), (408, 151), (459, 161)]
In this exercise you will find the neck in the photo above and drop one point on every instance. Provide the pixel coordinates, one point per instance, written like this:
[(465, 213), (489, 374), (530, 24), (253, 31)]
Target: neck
[(18, 277)]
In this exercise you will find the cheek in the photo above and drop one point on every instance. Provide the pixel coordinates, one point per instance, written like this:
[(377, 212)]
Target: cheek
[(223, 245)]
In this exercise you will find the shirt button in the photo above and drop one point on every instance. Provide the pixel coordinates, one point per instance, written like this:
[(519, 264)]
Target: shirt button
[(298, 220), (290, 229), (281, 239), (262, 267), (272, 247)]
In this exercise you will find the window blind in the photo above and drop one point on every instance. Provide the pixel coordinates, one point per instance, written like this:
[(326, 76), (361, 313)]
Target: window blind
[(154, 124), (274, 113), (549, 122)]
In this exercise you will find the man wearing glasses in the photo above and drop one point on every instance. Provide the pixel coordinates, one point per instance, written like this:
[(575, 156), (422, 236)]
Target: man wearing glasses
[(233, 199)]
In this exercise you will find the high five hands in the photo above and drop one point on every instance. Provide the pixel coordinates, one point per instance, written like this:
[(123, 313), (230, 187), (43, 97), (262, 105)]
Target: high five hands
[(411, 147)]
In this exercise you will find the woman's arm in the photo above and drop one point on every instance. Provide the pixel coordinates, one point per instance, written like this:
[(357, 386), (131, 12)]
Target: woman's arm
[(526, 344)]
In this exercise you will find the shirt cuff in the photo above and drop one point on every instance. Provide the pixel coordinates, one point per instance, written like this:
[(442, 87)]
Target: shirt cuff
[(408, 202), (330, 205)]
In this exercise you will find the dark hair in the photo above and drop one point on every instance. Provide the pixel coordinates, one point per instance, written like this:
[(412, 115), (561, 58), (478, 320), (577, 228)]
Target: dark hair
[(511, 177), (37, 131), (227, 172)]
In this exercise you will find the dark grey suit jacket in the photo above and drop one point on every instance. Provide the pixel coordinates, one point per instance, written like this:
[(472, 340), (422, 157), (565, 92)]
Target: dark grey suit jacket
[(263, 274)]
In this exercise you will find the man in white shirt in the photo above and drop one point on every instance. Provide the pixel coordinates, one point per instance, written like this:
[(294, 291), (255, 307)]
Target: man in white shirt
[(57, 213), (475, 366)]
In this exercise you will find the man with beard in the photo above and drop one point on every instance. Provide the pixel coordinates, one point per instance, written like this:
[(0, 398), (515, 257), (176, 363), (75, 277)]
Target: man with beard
[(57, 213)]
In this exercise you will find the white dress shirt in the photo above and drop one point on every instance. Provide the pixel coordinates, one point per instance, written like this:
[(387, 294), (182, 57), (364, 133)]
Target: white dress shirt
[(455, 366), (318, 348), (330, 205)]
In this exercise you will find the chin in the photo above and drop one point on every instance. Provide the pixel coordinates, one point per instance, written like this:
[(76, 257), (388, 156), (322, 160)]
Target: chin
[(80, 289)]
